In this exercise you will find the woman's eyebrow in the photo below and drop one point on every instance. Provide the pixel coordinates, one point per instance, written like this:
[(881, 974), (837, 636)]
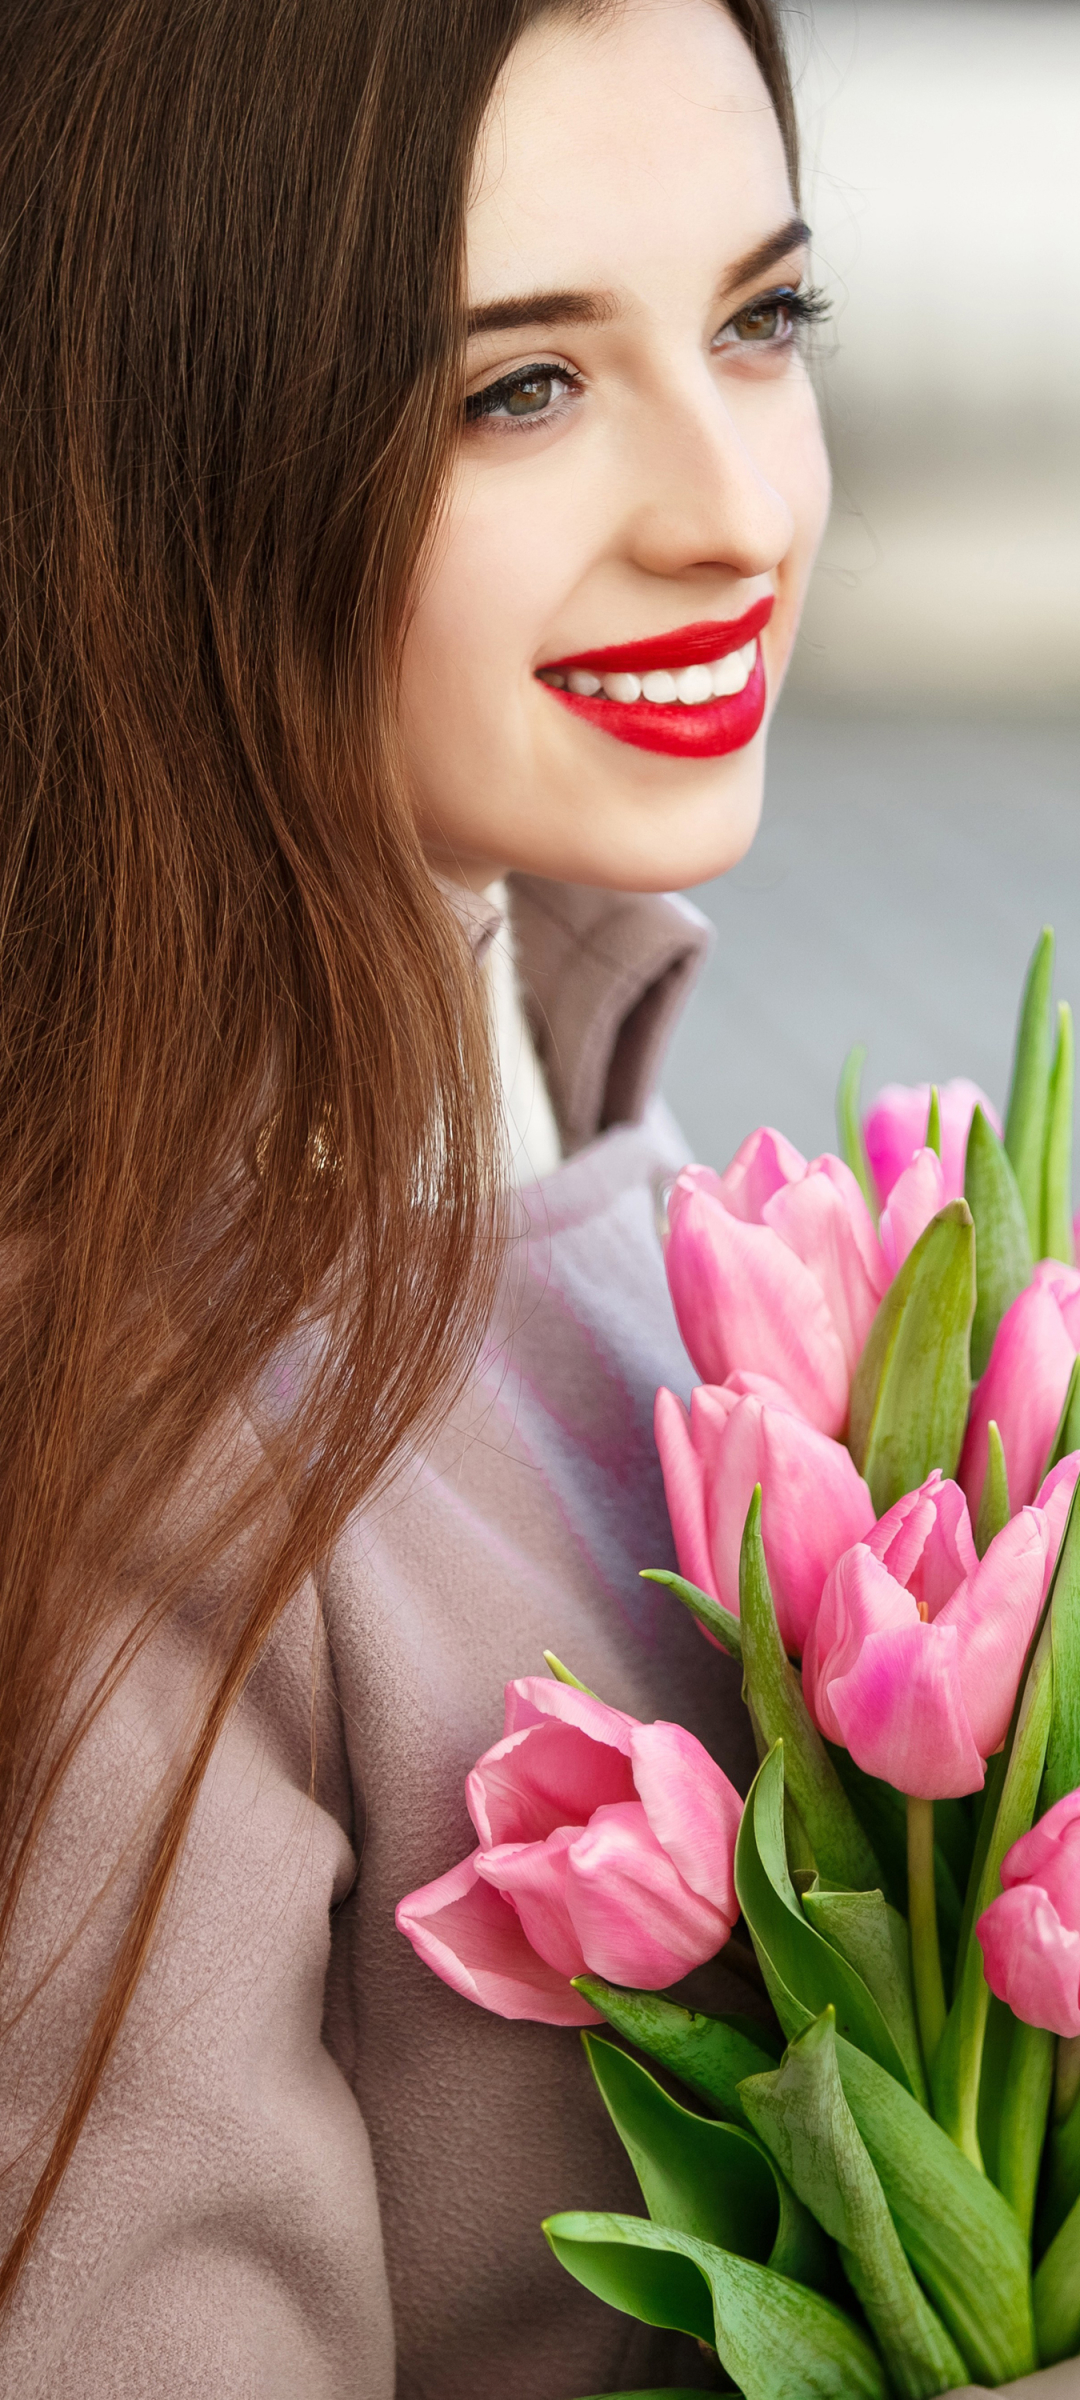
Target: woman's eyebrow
[(598, 308)]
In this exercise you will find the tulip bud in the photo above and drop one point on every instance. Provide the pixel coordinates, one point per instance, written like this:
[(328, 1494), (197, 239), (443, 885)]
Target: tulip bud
[(1030, 1935)]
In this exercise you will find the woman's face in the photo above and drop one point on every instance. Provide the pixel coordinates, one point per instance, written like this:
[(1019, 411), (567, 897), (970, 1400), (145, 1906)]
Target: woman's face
[(640, 484)]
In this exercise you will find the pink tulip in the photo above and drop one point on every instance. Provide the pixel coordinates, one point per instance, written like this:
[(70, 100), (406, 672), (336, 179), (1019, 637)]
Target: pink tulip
[(1031, 1935), (895, 1129), (775, 1269), (605, 1847), (916, 1196), (814, 1504), (913, 1660), (1026, 1379)]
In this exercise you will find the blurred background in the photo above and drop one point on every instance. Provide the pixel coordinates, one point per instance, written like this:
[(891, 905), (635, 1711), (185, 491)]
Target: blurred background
[(923, 798)]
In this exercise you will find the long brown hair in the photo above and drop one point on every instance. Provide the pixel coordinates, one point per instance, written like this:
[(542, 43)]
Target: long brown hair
[(244, 1071)]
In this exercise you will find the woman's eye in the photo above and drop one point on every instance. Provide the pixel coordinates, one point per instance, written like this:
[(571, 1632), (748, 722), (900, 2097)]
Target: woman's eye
[(516, 399), (767, 321), (772, 322)]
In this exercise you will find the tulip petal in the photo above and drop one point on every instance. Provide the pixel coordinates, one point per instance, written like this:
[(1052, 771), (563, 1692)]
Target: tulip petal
[(893, 1129), (814, 1506), (859, 1598), (925, 1541), (1064, 1282), (741, 1296), (1023, 1389), (692, 1808), (533, 1876), (994, 1613), (814, 1219), (532, 1699), (1053, 1498), (682, 1465), (1032, 1960), (546, 1775), (637, 1921), (901, 1713), (471, 1937), (762, 1165), (914, 1200), (1036, 1853)]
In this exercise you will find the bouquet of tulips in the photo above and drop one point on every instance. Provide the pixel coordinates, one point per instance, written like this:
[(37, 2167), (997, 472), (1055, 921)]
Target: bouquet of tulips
[(872, 1496)]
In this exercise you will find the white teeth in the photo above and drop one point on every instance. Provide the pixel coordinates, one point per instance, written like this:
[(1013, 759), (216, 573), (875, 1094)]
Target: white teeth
[(693, 685), (732, 674)]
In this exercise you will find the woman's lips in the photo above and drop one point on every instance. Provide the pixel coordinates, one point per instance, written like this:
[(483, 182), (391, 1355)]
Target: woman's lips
[(692, 725)]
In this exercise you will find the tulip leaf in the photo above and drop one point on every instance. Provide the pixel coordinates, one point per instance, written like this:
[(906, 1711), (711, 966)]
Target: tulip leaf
[(961, 2237), (803, 1972), (1062, 1771), (1021, 2125), (703, 2177), (1029, 1092), (801, 2112), (1067, 1437), (1003, 1256), (874, 1939), (717, 1620), (1009, 1809), (1062, 2182), (1057, 1235), (933, 1122), (994, 1505), (840, 1847), (1057, 2293), (912, 1385), (777, 2340), (849, 1125), (711, 2055)]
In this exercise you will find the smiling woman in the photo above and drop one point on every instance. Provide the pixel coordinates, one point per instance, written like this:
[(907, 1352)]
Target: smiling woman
[(640, 484), (410, 477)]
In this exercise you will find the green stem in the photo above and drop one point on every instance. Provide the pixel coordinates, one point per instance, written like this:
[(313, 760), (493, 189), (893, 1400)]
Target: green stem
[(923, 1926), (1066, 2077), (1022, 2128)]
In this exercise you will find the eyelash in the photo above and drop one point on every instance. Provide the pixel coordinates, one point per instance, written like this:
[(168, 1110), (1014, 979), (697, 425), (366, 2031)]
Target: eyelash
[(803, 309)]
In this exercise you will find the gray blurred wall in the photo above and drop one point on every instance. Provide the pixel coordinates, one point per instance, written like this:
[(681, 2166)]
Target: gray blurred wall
[(942, 144)]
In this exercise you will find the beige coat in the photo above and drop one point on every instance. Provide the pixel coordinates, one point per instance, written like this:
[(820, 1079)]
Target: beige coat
[(313, 2172)]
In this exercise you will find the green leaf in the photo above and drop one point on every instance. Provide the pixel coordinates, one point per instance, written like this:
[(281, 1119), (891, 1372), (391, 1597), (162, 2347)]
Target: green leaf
[(1062, 1771), (1009, 1810), (912, 1385), (716, 1619), (994, 1504), (801, 2112), (1029, 1092), (1057, 1236), (933, 1122), (704, 2177), (1067, 1437), (874, 1939), (961, 2237), (849, 1125), (1057, 2293), (1003, 1256), (803, 1972), (1021, 2129), (777, 2340), (839, 1845), (1062, 2183), (711, 2055)]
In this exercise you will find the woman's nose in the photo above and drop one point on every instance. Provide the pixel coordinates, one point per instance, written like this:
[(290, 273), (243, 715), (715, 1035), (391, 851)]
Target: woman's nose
[(699, 497)]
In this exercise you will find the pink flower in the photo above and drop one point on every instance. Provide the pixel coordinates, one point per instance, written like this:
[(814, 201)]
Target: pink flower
[(814, 1504), (1026, 1379), (775, 1269), (914, 1657), (605, 1847), (895, 1129), (1031, 1935)]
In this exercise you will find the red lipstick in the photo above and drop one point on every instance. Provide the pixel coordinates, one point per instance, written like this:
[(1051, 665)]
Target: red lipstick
[(683, 727)]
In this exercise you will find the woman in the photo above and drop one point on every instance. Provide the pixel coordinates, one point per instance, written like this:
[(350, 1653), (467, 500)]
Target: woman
[(315, 629)]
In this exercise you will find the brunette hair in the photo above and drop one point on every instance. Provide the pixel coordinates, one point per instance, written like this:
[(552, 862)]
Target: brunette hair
[(245, 1086)]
